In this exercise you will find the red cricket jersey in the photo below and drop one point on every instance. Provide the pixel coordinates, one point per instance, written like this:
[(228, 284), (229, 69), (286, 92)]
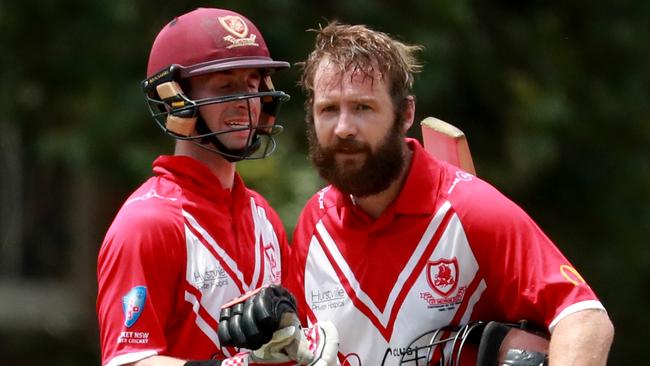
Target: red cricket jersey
[(179, 248), (450, 249)]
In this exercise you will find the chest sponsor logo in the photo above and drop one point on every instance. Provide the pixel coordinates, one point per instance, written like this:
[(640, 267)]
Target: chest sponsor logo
[(327, 298), (210, 278), (442, 277), (133, 304)]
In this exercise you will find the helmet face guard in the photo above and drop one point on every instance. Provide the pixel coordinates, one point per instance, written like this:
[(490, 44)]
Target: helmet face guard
[(478, 343), (178, 116), (442, 346)]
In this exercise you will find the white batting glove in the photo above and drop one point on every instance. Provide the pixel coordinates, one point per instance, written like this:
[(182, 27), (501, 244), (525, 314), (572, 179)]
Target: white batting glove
[(293, 345), (315, 346)]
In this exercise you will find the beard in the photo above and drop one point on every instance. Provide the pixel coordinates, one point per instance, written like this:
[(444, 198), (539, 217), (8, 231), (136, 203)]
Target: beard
[(373, 175)]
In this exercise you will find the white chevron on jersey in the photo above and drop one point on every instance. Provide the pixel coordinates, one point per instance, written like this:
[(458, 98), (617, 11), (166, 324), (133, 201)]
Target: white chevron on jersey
[(384, 315), (267, 240), (369, 333), (225, 258), (200, 322), (209, 267)]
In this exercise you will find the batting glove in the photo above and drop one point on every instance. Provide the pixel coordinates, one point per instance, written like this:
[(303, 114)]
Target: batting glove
[(315, 346), (265, 321)]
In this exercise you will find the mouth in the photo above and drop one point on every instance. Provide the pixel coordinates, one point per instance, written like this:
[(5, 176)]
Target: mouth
[(238, 124)]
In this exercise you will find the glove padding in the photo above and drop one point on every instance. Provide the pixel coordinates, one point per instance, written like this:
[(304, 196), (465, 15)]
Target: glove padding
[(292, 345), (251, 320)]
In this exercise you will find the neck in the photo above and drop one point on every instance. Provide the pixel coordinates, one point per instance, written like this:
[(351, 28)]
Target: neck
[(375, 204), (218, 165)]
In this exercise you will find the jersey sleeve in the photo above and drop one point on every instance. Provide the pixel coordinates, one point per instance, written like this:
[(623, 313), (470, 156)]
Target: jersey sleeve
[(139, 266), (527, 276)]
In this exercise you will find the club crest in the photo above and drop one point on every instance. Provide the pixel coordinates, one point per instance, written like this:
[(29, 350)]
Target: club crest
[(132, 304), (442, 276), (234, 25), (238, 28)]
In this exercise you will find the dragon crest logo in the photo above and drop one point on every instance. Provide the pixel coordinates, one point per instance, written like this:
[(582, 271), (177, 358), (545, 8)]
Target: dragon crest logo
[(442, 276)]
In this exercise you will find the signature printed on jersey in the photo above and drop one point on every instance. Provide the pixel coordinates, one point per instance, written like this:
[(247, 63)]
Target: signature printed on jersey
[(151, 194)]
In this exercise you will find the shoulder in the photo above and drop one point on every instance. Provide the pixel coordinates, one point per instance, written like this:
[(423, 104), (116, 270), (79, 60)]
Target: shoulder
[(482, 208), (152, 215), (320, 203)]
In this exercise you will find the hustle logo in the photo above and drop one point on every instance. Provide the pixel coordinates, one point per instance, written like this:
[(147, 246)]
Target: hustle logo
[(210, 278), (327, 299)]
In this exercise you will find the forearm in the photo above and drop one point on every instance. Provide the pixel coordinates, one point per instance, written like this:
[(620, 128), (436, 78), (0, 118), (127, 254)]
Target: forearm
[(582, 338)]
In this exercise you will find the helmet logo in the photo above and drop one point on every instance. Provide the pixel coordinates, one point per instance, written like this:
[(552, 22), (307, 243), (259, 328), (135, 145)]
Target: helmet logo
[(237, 27), (442, 276)]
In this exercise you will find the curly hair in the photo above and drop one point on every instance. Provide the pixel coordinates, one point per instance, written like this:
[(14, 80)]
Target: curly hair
[(358, 48)]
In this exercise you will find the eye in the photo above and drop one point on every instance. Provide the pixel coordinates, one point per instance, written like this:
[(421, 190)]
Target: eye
[(224, 86), (363, 107), (329, 109)]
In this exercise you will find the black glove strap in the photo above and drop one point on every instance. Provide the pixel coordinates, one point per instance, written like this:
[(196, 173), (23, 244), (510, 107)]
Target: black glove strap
[(203, 363)]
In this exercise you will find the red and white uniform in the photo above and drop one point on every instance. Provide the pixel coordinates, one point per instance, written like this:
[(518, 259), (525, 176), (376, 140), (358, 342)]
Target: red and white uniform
[(179, 248), (450, 249)]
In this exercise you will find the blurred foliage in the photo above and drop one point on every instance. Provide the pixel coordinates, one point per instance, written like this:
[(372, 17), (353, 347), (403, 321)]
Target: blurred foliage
[(554, 97)]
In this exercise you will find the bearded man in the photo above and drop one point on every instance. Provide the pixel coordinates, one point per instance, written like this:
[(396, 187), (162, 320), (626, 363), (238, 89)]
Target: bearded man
[(400, 243)]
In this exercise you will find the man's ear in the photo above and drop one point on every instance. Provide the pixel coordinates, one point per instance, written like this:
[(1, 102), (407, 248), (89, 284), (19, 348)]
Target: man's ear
[(408, 113)]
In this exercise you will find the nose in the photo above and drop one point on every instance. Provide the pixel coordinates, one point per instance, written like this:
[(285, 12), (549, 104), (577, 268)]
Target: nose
[(345, 126)]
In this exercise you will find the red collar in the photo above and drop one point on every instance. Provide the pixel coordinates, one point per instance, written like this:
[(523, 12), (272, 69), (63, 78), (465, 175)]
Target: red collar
[(193, 174)]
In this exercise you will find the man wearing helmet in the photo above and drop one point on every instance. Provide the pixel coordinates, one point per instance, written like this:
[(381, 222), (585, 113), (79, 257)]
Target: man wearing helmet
[(400, 243), (193, 236)]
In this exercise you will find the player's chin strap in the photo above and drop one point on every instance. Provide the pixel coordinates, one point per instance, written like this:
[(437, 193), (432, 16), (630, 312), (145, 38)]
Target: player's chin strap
[(253, 142), (232, 155)]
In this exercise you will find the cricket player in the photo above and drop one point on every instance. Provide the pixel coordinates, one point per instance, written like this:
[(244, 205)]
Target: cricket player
[(194, 236), (400, 243)]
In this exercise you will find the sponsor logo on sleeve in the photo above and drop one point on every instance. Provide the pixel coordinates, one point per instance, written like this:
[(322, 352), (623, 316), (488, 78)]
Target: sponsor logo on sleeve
[(132, 304), (461, 176), (149, 195), (571, 275)]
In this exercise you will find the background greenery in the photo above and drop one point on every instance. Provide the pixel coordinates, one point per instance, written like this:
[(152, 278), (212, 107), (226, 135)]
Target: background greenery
[(553, 95)]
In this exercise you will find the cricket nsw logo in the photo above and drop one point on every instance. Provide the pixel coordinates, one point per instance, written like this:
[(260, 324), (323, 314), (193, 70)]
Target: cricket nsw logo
[(132, 304), (238, 30), (442, 276)]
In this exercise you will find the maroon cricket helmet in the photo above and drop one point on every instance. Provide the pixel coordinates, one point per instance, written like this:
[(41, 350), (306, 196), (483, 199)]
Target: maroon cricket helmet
[(203, 41), (208, 40)]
